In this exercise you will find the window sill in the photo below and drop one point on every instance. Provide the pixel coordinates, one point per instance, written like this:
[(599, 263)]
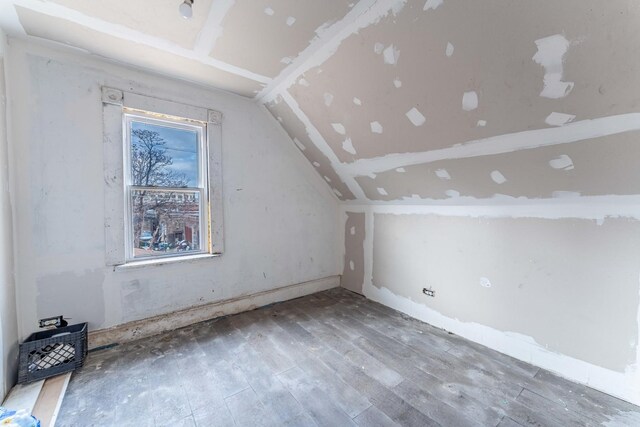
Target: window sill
[(161, 261)]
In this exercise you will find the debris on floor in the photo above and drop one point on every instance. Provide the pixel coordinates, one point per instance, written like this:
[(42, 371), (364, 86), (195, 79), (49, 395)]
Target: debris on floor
[(19, 418)]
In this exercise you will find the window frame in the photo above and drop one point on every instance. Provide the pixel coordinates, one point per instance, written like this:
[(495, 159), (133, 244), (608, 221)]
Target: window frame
[(116, 103), (130, 115)]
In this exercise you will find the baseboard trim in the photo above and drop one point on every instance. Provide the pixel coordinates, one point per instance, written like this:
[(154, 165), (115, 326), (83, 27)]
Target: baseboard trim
[(178, 319)]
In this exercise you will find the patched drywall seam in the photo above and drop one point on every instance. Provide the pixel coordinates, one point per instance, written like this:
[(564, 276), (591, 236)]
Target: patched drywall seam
[(576, 132), (321, 144), (598, 166), (298, 132), (354, 236), (362, 15)]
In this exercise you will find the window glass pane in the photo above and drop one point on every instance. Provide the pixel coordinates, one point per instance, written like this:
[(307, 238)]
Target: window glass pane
[(163, 156), (165, 222)]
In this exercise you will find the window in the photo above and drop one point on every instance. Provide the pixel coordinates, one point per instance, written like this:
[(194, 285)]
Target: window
[(163, 180), (166, 186)]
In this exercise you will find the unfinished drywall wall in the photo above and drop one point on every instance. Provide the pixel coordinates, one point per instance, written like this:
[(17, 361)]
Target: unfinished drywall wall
[(501, 273), (353, 270), (591, 167), (280, 218), (299, 134), (396, 89), (8, 319), (557, 286)]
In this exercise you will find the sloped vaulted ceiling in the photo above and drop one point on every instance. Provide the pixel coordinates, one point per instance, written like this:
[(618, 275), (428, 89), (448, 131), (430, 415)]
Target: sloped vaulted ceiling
[(436, 101)]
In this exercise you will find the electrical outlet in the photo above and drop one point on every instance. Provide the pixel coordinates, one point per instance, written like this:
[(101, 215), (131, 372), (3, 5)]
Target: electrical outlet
[(429, 292), (56, 321)]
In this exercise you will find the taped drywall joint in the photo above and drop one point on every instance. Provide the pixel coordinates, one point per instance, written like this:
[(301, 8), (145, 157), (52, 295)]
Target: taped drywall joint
[(327, 41), (214, 117), (318, 140), (112, 96)]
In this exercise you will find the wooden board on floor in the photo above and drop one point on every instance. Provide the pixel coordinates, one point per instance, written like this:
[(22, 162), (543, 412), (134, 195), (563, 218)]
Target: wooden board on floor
[(23, 396), (50, 398)]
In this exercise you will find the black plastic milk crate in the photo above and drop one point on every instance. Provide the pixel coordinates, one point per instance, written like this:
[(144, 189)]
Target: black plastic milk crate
[(52, 352)]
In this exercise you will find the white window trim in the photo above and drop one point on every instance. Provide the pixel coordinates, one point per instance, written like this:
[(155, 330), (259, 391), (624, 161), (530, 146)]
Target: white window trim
[(115, 104)]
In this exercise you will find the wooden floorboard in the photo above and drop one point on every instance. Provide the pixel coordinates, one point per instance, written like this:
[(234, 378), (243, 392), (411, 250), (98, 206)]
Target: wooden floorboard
[(328, 359)]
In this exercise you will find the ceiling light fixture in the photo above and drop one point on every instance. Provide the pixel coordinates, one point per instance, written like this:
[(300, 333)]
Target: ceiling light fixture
[(186, 9)]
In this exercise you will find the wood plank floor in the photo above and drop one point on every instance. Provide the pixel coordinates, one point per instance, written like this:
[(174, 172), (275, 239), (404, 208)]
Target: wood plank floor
[(328, 359)]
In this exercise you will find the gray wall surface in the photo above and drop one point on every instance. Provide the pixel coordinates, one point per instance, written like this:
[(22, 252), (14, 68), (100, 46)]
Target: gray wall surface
[(8, 320), (279, 217)]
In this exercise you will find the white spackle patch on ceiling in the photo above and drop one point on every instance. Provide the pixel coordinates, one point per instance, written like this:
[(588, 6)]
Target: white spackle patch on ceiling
[(352, 230), (347, 146), (397, 83), (382, 191), (442, 174), (469, 101), (269, 11), (339, 128), (291, 20), (326, 178), (452, 193), (563, 162), (481, 123), (328, 99), (561, 194), (550, 56), (497, 177), (378, 48), (299, 144), (449, 50), (357, 101), (338, 193), (391, 55), (316, 164), (416, 117), (303, 82), (352, 265), (376, 127), (485, 283), (401, 170), (286, 60), (559, 119), (432, 4)]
